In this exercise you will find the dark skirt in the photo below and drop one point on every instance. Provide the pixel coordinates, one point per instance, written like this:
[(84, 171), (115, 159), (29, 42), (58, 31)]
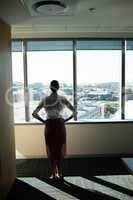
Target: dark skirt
[(55, 138)]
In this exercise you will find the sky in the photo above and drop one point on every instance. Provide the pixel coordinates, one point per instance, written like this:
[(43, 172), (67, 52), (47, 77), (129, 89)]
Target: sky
[(92, 66)]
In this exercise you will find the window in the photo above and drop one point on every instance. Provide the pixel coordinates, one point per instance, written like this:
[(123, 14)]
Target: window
[(98, 80), (95, 75), (129, 80), (18, 82), (46, 61)]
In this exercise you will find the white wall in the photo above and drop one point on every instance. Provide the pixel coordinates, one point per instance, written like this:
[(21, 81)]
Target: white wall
[(82, 139)]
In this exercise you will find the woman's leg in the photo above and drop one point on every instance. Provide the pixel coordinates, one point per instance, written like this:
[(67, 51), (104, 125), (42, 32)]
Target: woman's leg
[(53, 168), (60, 160), (53, 163)]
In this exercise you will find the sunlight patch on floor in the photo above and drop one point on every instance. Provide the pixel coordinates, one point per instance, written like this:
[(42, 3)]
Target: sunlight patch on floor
[(91, 185), (125, 181), (48, 189)]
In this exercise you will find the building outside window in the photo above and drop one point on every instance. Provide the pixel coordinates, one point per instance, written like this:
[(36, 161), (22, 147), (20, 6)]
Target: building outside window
[(18, 82), (129, 80), (98, 80), (89, 72), (48, 61)]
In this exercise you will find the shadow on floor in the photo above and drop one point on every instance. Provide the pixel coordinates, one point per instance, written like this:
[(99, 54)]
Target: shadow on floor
[(23, 191), (81, 193), (84, 167), (113, 186)]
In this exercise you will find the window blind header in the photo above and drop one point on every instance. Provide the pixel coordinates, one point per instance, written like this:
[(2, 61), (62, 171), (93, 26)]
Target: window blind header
[(16, 46), (49, 45), (98, 45)]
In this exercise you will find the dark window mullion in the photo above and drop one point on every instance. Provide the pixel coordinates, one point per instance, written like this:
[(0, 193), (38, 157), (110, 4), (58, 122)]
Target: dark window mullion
[(123, 81), (74, 79), (26, 91)]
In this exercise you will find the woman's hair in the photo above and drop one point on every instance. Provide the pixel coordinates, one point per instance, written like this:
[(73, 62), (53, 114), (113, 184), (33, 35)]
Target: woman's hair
[(54, 85)]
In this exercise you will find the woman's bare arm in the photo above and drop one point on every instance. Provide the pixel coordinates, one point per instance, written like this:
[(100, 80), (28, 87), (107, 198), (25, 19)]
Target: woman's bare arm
[(70, 107), (35, 113)]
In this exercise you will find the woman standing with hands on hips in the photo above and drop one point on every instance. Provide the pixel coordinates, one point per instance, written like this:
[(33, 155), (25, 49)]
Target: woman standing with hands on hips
[(55, 131)]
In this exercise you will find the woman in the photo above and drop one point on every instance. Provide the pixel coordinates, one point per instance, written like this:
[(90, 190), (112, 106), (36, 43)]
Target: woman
[(55, 131)]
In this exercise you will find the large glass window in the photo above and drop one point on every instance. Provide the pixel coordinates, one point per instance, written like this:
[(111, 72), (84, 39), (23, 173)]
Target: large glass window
[(94, 75), (129, 80), (48, 61), (98, 80), (18, 82)]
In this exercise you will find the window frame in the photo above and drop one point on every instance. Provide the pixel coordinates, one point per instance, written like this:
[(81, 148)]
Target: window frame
[(122, 89)]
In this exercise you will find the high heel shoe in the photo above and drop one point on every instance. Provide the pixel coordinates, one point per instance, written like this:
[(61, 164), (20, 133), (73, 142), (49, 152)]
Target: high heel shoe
[(52, 177), (59, 177)]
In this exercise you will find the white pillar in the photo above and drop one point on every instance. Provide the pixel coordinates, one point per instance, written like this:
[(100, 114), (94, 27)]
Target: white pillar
[(7, 140)]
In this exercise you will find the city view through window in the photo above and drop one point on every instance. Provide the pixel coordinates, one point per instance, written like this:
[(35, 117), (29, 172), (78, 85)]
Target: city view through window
[(98, 78), (129, 85), (98, 81), (45, 66)]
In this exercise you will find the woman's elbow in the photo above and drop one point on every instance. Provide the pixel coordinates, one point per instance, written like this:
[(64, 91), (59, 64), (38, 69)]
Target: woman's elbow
[(34, 114)]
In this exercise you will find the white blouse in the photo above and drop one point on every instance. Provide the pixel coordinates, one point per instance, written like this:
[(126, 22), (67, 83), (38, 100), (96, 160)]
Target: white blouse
[(54, 105)]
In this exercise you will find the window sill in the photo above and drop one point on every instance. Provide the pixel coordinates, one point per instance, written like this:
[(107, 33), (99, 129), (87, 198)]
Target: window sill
[(80, 122)]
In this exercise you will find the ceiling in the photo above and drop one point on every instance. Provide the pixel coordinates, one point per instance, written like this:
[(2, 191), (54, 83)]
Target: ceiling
[(108, 17)]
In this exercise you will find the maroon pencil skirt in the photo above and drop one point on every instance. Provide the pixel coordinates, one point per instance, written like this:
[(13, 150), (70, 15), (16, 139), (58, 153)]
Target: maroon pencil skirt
[(55, 138)]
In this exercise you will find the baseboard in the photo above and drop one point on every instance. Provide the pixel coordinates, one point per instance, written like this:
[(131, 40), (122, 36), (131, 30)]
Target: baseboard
[(121, 155)]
